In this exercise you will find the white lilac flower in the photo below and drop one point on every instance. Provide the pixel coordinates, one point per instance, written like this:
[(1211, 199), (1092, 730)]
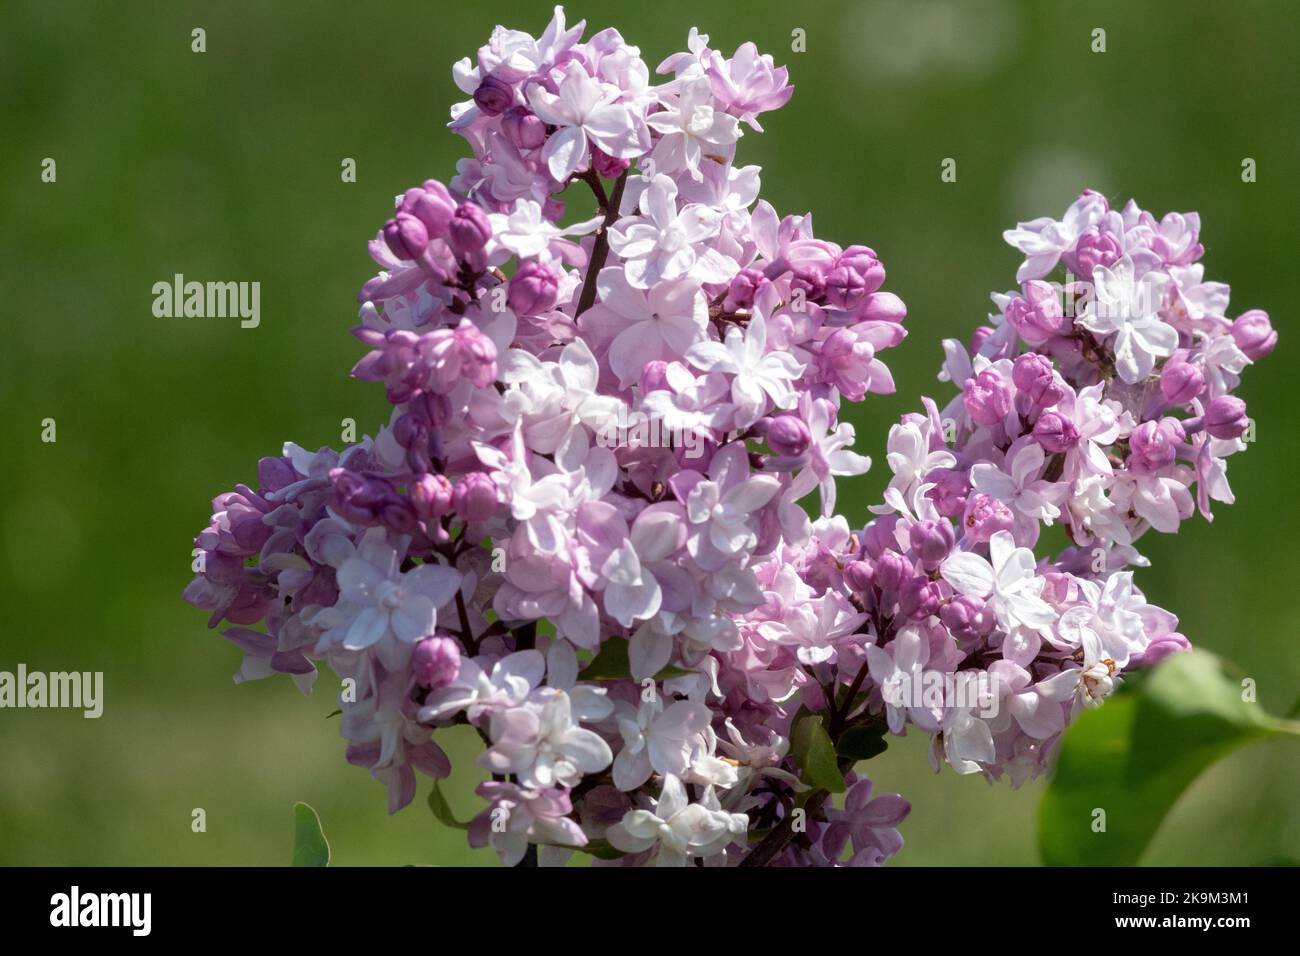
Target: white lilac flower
[(758, 376), (682, 830), (1127, 306)]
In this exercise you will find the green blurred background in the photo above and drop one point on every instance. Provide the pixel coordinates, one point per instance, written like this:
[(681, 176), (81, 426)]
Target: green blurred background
[(225, 166)]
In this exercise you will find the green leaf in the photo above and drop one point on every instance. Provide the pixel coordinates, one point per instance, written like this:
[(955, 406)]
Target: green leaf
[(612, 664), (601, 849), (310, 848), (1135, 755), (815, 754), (442, 809), (863, 742)]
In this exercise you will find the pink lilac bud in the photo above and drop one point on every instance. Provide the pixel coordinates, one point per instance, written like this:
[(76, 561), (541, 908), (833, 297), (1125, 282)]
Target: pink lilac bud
[(432, 496), (844, 361), (986, 397), (406, 236), (494, 96), (1225, 417), (523, 128), (920, 599), (932, 541), (478, 354), (811, 281), (1055, 432), (891, 571), (534, 289), (654, 377), (1036, 313), (468, 231), (1181, 381), (435, 662), (1033, 376), (1254, 334), (978, 337), (951, 487), (788, 435), (606, 165), (859, 576), (434, 210), (1094, 248), (475, 498), (985, 516), (878, 536), (882, 307), (744, 286), (1162, 647), (855, 275), (1154, 445), (967, 618)]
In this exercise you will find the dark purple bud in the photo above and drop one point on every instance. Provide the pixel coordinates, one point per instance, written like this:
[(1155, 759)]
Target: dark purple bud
[(523, 128), (787, 435), (1055, 432), (397, 514), (468, 231), (435, 662), (494, 96), (534, 289), (355, 497), (1225, 417), (274, 474), (408, 430), (406, 236), (1254, 334), (475, 498)]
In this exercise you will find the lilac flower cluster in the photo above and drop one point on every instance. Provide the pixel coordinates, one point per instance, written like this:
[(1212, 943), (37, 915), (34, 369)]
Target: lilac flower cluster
[(1101, 402), (515, 550), (582, 531)]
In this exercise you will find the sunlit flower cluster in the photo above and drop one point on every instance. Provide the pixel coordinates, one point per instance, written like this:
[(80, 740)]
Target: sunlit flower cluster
[(588, 531)]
